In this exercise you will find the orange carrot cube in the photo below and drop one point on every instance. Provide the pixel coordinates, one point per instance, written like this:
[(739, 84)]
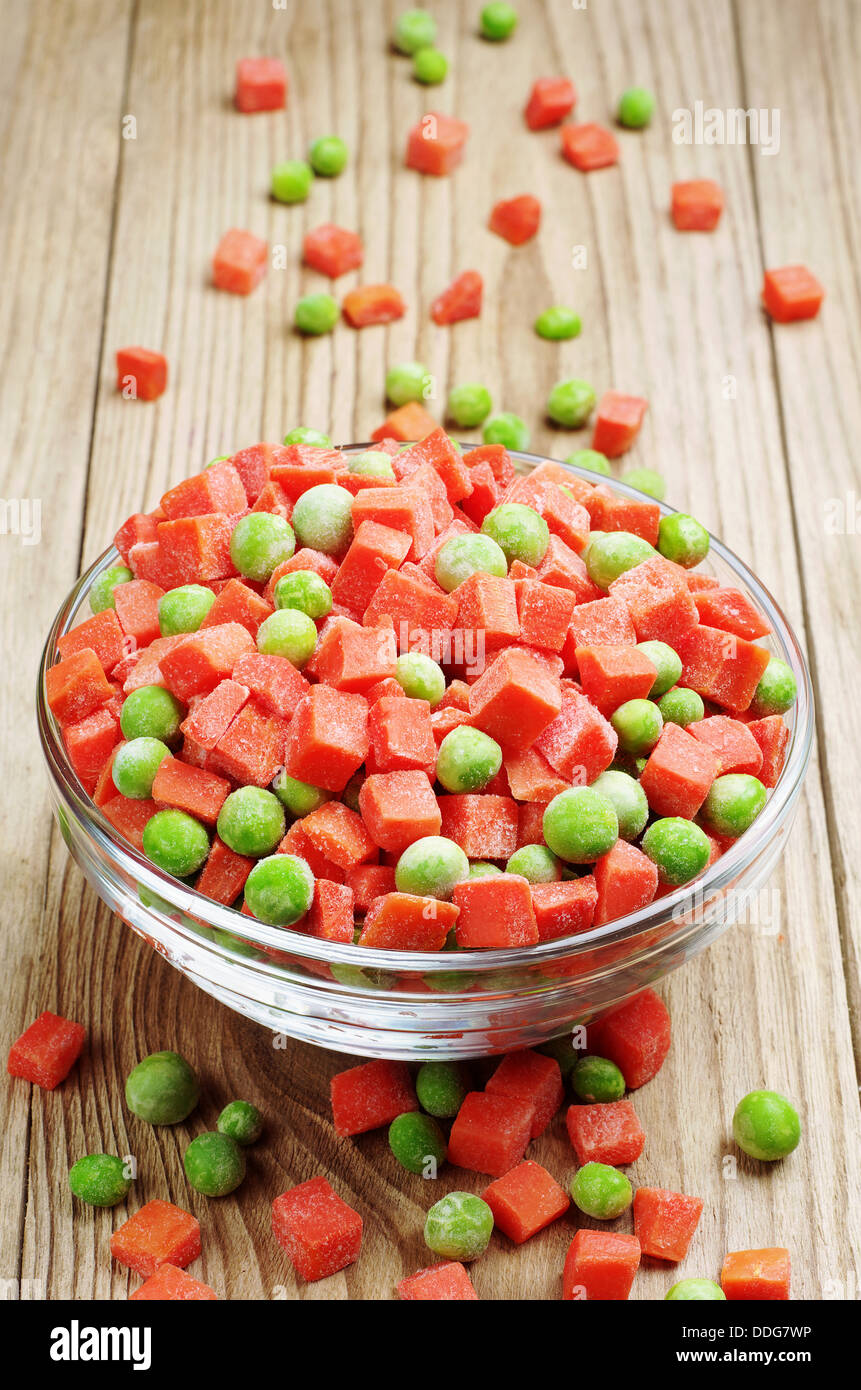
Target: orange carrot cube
[(562, 909), (516, 220), (328, 738), (447, 1282), (526, 1200), (76, 686), (664, 1222), (223, 876), (239, 263), (495, 913), (408, 422), (515, 699), (373, 304), (172, 1285), (401, 735), (606, 1133), (435, 144), (370, 1096), (399, 807), (159, 1233), (636, 1037), (678, 774), (490, 1133), (200, 794), (625, 879), (611, 675), (460, 300), (406, 922), (617, 423), (332, 250), (252, 749), (533, 1077), (319, 1231), (352, 658), (141, 374), (791, 293), (211, 718), (589, 146), (261, 84), (46, 1051), (600, 1265), (374, 550), (753, 1275), (137, 610), (550, 101), (339, 833), (484, 825), (273, 681), (696, 205)]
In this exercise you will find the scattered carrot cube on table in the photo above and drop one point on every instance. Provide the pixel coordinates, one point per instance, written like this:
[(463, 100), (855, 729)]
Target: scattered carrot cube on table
[(551, 99), (239, 263), (516, 219), (664, 1222), (589, 146), (617, 423), (261, 84), (490, 1133), (447, 1282), (600, 1265), (370, 1096), (373, 304), (435, 144), (159, 1233), (754, 1275), (533, 1077), (697, 205), (321, 1233), (636, 1037), (332, 250), (172, 1285), (46, 1051), (791, 293), (461, 300), (606, 1133), (141, 374), (525, 1200)]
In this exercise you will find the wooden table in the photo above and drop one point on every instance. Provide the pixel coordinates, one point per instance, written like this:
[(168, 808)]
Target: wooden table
[(107, 240)]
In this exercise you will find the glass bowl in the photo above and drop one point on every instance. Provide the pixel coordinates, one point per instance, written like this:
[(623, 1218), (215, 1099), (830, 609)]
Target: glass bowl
[(408, 1005)]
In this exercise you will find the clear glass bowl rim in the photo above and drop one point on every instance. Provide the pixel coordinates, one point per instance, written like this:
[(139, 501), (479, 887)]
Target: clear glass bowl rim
[(675, 905)]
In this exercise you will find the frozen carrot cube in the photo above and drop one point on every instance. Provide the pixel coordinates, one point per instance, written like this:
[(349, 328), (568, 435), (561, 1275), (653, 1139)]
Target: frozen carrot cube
[(140, 526), (201, 794), (589, 146), (328, 738), (459, 300), (239, 263), (696, 205), (369, 881), (678, 774), (545, 612), (319, 1231), (534, 1077), (490, 1133), (237, 603), (484, 496), (606, 1133), (297, 842), (756, 1275), (172, 1285), (720, 666), (371, 1096), (129, 817), (141, 374), (530, 776), (101, 634), (611, 675), (530, 831), (516, 220), (600, 1265), (332, 250), (136, 606), (46, 1051), (406, 922), (352, 658), (772, 737), (76, 686), (566, 518), (731, 611), (790, 293), (515, 699), (495, 912), (401, 508), (617, 423), (190, 550), (273, 681), (223, 876), (218, 488), (90, 742), (399, 807), (252, 748), (625, 880), (488, 605), (435, 144), (373, 550), (408, 422), (261, 84), (580, 743), (330, 916), (447, 1282), (339, 833), (484, 825), (636, 1037), (159, 1233), (372, 304), (561, 909), (437, 451), (204, 659), (551, 99), (732, 743), (401, 735), (564, 567), (525, 1200), (211, 718), (423, 615), (664, 1222)]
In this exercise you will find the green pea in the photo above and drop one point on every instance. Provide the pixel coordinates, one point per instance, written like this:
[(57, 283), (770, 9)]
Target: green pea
[(570, 403), (468, 554), (678, 847), (101, 594), (408, 381), (322, 519), (776, 691), (646, 480), (440, 1088), (508, 430), (328, 156), (682, 539), (100, 1180), (162, 1089), (766, 1126), (184, 609), (611, 553), (600, 1191), (279, 890), (519, 531), (638, 724), (467, 760), (666, 662), (469, 405), (214, 1164), (259, 542), (733, 803), (430, 867), (251, 821), (300, 798), (681, 706), (420, 678), (316, 314), (557, 323), (289, 633), (536, 863), (418, 1143), (306, 591), (240, 1121), (592, 459), (580, 825), (151, 712), (498, 21), (459, 1226), (628, 800), (291, 181), (482, 868), (597, 1080), (695, 1291), (374, 463), (135, 766), (429, 66), (175, 842), (414, 29), (635, 108), (302, 434)]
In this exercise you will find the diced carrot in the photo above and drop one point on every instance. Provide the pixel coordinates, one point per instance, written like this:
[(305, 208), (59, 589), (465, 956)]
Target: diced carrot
[(191, 550), (237, 603), (304, 559), (447, 1282), (589, 146), (636, 1037), (373, 550), (772, 735), (664, 1222), (626, 880), (401, 508), (791, 293), (204, 659), (530, 776), (404, 922), (401, 735), (678, 774), (319, 1231), (159, 1233), (461, 300), (101, 634), (525, 1200), (435, 144), (720, 666), (485, 493), (90, 743), (223, 876), (423, 616), (172, 1285), (563, 909), (611, 675), (141, 374), (372, 304), (408, 422), (328, 738), (534, 1077), (488, 604), (273, 681), (399, 807), (239, 263), (339, 833), (45, 1052), (696, 205), (753, 1275), (297, 842), (261, 84), (484, 826), (516, 220), (530, 831), (605, 1133), (731, 611), (499, 459), (563, 566), (252, 748), (495, 912), (331, 914), (332, 250), (369, 881), (211, 718), (218, 488), (138, 527), (617, 423), (370, 1096), (545, 612), (580, 743), (352, 658), (567, 519), (76, 686), (200, 794), (129, 817), (137, 610), (600, 1265), (733, 744), (490, 1133), (658, 599), (514, 700), (550, 101)]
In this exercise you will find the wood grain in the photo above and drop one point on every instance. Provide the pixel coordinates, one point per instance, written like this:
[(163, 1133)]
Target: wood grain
[(753, 428)]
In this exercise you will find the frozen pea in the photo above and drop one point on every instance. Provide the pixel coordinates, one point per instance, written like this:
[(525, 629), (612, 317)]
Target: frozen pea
[(611, 553), (291, 181), (597, 1080), (373, 463), (519, 531), (695, 1291), (102, 588), (100, 1180), (151, 712), (467, 760), (666, 662), (214, 1164), (580, 825), (593, 459), (635, 108), (557, 323), (430, 867), (536, 863), (766, 1126), (303, 434), (300, 798), (279, 890), (322, 518), (306, 591), (135, 766), (570, 403), (328, 156), (469, 405), (240, 1121), (682, 539), (440, 1088), (429, 66), (678, 847), (459, 1226), (508, 430), (175, 842), (628, 800), (498, 21), (316, 314), (638, 724), (414, 29), (600, 1191), (408, 381), (468, 554), (420, 678), (776, 691), (184, 609), (162, 1089), (259, 542), (482, 868), (290, 633), (733, 803), (681, 706), (646, 480), (418, 1143), (251, 821)]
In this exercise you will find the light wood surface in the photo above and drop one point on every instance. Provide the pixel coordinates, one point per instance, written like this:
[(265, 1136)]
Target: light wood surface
[(107, 241)]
